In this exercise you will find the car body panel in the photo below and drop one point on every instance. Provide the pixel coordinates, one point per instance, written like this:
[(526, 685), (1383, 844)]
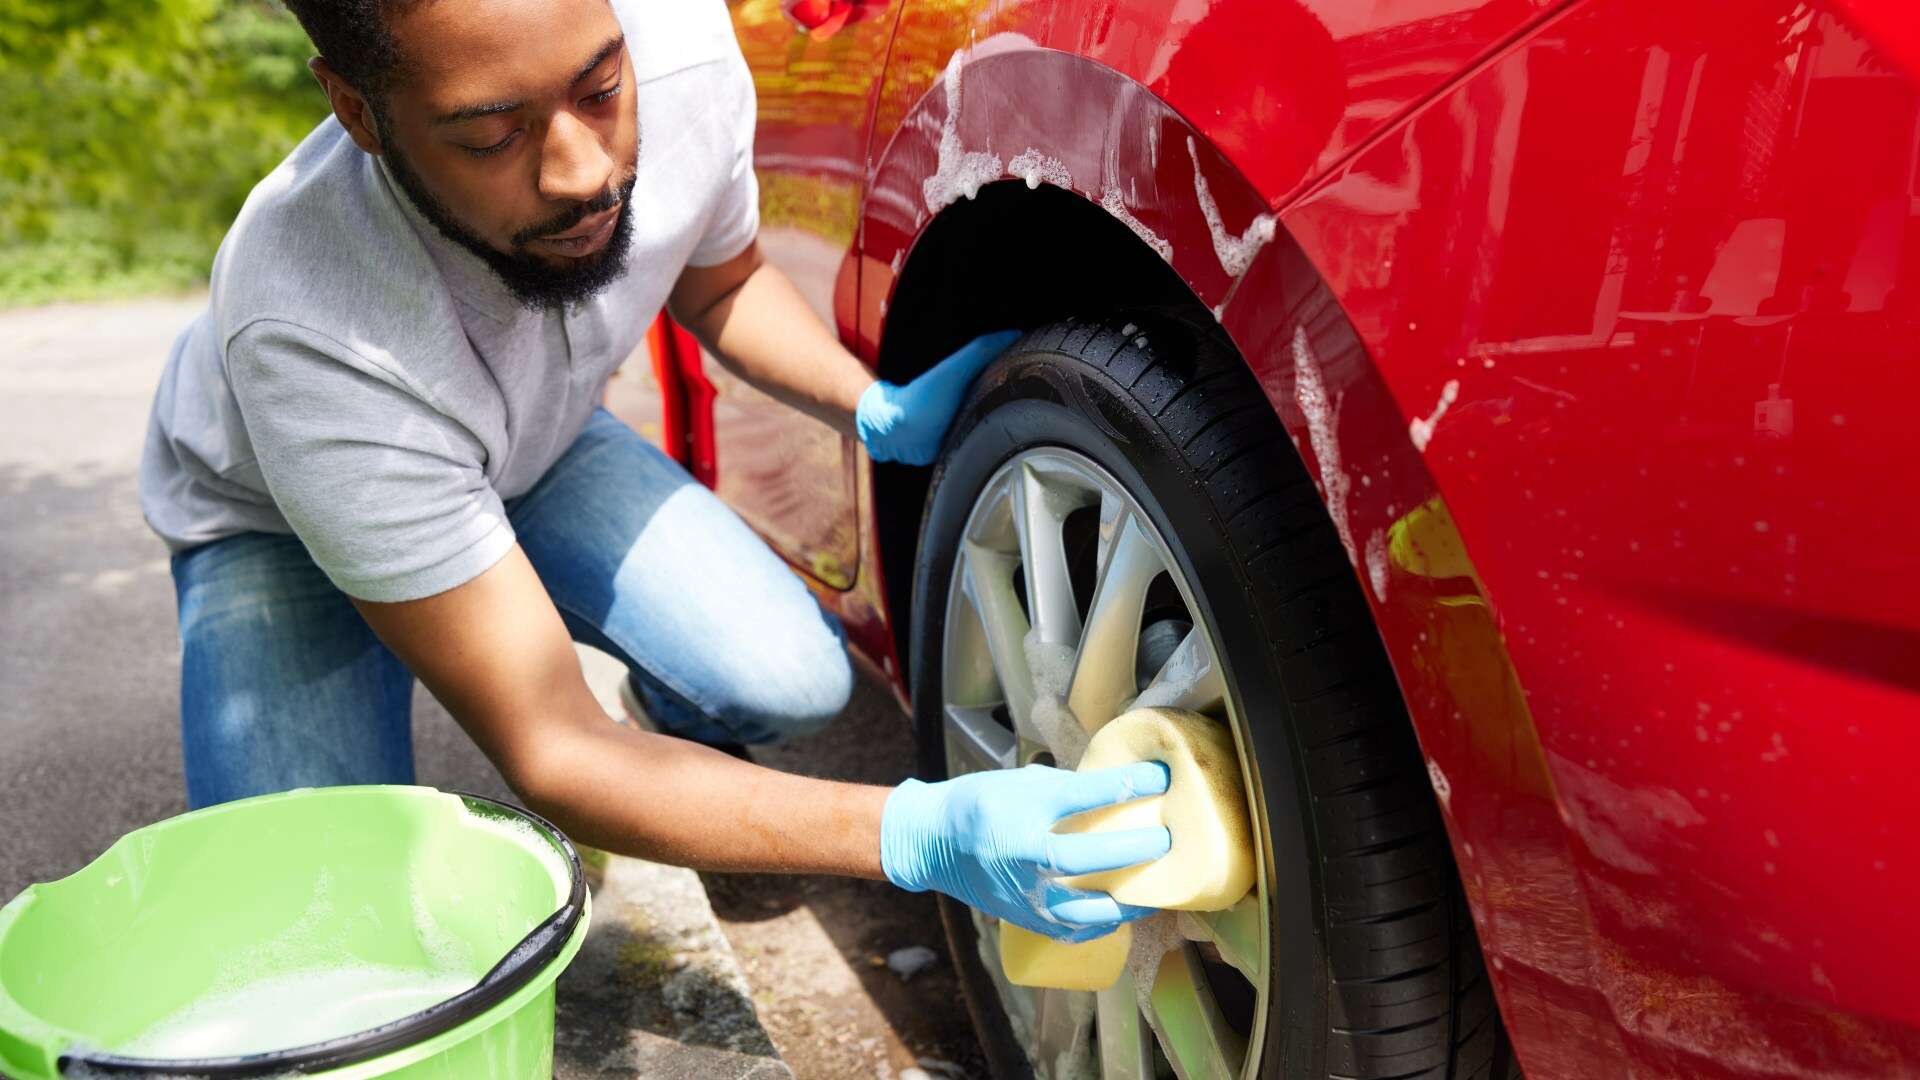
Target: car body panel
[(1653, 273), (1616, 449), (1661, 467)]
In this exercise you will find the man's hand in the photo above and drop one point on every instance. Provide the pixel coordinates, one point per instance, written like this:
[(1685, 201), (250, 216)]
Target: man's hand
[(987, 839), (906, 423)]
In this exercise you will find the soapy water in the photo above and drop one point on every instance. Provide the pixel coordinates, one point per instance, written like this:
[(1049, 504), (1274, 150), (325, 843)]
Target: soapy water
[(294, 1009), (1153, 938), (1420, 429), (445, 950), (1051, 665), (1320, 410), (959, 172), (1112, 203), (1234, 252), (1377, 564), (524, 835), (1037, 168), (243, 1012), (1076, 1060)]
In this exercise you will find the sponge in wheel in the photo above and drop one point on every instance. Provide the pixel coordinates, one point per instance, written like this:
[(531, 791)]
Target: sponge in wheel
[(1029, 959), (1210, 866)]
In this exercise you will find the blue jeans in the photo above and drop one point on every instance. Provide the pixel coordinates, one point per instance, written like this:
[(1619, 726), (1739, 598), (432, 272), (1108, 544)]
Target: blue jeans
[(283, 685)]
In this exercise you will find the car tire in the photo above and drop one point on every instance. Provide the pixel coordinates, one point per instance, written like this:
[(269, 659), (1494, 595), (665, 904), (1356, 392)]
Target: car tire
[(1375, 971)]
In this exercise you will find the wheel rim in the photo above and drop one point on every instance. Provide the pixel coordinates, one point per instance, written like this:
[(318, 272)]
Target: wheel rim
[(1064, 593)]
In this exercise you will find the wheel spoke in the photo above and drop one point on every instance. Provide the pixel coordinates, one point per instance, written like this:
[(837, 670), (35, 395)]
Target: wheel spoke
[(990, 586), (1113, 514), (1125, 1053), (1190, 679), (1196, 1037), (1063, 1031), (966, 664), (1040, 512), (976, 741), (1236, 932), (1103, 671)]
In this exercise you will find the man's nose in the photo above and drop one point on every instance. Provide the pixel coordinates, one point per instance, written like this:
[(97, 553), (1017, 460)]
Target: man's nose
[(574, 166)]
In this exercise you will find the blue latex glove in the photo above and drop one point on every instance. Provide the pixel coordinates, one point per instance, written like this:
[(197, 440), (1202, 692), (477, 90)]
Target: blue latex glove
[(987, 839), (906, 423)]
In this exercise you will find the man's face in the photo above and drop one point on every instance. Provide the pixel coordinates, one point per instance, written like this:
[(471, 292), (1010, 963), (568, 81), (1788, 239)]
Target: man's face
[(512, 127)]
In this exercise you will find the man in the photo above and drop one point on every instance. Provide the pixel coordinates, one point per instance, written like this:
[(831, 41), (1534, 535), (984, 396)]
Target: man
[(378, 456)]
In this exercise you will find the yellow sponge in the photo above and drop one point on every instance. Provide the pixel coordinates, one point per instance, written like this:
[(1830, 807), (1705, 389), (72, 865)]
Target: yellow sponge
[(1205, 808), (1209, 868), (1028, 959)]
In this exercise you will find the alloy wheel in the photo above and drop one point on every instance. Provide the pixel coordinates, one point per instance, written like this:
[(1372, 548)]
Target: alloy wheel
[(1067, 608)]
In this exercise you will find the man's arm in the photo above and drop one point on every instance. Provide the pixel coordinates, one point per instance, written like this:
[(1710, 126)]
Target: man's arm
[(749, 315), (496, 654)]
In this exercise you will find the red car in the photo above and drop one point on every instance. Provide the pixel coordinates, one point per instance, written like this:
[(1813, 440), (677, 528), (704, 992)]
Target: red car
[(1492, 410)]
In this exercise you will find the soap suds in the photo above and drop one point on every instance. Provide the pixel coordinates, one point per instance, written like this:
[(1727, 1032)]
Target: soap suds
[(1235, 252), (1441, 787), (959, 172), (1153, 938), (446, 951), (1377, 564), (1111, 202), (1077, 1059), (284, 950), (1421, 431), (1320, 410), (1037, 168), (1052, 667), (525, 835)]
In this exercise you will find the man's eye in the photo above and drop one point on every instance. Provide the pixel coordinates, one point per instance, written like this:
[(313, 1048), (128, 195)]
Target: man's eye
[(606, 95), (489, 151)]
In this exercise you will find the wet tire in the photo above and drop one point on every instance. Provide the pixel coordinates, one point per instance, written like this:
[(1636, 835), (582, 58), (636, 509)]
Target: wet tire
[(1375, 970)]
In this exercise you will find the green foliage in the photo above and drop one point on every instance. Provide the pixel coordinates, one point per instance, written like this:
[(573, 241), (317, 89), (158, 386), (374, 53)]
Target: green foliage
[(131, 132)]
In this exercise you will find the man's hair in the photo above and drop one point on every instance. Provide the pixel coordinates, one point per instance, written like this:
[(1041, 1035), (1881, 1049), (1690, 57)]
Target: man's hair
[(353, 36)]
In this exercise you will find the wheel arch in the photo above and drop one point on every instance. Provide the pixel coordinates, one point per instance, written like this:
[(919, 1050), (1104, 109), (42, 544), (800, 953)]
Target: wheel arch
[(1084, 172)]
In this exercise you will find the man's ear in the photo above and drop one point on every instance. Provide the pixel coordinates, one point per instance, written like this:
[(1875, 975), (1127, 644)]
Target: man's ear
[(352, 109)]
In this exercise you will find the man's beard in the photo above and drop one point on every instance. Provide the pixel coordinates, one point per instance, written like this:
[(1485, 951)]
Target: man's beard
[(535, 282)]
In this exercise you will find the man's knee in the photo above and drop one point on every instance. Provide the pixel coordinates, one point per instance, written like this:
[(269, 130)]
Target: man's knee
[(798, 696)]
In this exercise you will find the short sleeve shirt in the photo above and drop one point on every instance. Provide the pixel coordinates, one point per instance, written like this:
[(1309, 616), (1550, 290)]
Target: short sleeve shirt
[(363, 382)]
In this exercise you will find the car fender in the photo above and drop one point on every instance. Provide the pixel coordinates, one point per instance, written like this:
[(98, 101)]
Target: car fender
[(1047, 117)]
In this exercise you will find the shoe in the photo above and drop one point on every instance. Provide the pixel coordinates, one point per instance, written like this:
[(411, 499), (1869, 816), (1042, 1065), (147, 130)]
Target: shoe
[(637, 718)]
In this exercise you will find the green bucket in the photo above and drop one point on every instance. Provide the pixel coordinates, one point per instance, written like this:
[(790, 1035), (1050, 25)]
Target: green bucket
[(349, 931)]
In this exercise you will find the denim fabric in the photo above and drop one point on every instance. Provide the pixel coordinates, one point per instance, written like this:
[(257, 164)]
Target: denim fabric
[(283, 684)]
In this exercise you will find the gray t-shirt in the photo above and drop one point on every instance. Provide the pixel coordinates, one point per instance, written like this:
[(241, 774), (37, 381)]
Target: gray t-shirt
[(363, 382)]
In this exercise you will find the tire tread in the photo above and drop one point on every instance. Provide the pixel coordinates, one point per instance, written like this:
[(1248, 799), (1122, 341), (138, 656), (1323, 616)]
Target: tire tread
[(1408, 995)]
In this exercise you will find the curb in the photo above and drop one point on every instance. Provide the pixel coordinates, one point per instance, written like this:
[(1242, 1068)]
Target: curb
[(656, 990)]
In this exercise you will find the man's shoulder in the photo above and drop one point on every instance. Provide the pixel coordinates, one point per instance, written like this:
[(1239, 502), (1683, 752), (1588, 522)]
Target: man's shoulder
[(667, 36), (321, 243)]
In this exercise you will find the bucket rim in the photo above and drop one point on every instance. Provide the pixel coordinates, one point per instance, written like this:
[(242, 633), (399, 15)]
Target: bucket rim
[(523, 963)]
